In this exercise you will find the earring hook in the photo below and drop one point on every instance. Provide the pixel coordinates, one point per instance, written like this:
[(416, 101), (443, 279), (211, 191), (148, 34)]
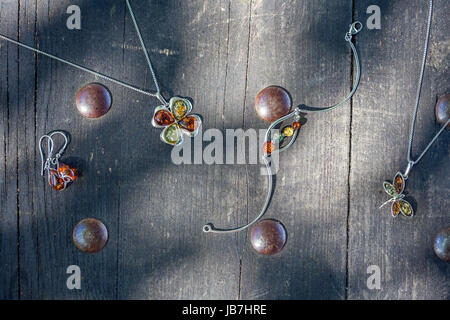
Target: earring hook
[(45, 164), (66, 142)]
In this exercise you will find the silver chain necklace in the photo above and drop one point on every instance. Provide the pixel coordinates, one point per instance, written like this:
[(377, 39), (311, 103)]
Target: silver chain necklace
[(355, 28), (174, 116), (396, 188)]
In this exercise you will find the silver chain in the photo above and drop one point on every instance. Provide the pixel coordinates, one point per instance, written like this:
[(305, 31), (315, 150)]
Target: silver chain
[(355, 28), (412, 162), (144, 48), (156, 94)]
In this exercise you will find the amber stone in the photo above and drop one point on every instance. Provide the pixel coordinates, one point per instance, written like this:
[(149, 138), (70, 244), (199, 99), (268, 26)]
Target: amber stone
[(389, 188), (406, 208), (296, 125), (190, 123), (179, 109), (93, 100), (288, 131), (398, 183), (67, 171), (164, 118), (395, 208), (90, 235), (55, 180), (442, 245), (443, 110), (268, 237), (272, 103), (172, 134), (268, 147)]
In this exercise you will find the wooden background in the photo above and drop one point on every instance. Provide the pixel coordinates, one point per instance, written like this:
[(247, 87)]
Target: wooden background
[(221, 53)]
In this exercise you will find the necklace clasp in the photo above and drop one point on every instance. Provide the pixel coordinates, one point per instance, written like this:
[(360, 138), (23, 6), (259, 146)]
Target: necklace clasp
[(355, 28)]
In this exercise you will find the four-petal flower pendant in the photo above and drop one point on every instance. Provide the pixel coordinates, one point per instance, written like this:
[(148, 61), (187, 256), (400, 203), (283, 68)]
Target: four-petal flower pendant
[(176, 120)]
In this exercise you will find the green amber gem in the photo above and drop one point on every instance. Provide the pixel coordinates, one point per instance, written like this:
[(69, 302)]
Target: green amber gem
[(389, 189), (279, 137), (180, 109), (172, 134), (406, 208)]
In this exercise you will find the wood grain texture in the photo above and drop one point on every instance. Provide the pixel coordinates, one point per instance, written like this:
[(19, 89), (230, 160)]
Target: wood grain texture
[(292, 48), (380, 128), (220, 54), (166, 206), (9, 231)]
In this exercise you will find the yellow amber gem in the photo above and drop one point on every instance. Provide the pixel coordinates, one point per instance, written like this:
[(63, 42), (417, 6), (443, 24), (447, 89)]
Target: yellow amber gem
[(288, 131), (180, 109), (172, 134), (406, 208)]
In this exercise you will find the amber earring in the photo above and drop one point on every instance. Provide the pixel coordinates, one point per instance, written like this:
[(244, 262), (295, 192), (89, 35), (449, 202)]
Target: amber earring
[(59, 174)]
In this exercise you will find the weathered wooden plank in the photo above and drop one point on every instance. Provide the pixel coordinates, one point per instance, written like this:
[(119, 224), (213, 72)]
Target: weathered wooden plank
[(91, 149), (163, 251), (380, 129), (9, 100), (26, 150), (291, 46), (221, 54)]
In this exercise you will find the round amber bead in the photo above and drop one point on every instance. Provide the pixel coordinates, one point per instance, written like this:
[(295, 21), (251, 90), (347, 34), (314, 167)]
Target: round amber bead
[(268, 147), (288, 131), (296, 125), (442, 245), (272, 103), (93, 100), (443, 110), (90, 235), (268, 237)]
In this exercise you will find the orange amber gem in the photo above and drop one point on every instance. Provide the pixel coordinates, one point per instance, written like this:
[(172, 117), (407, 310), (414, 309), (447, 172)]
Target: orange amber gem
[(296, 125), (190, 123), (395, 208), (268, 147), (164, 118), (55, 180), (398, 183), (67, 171)]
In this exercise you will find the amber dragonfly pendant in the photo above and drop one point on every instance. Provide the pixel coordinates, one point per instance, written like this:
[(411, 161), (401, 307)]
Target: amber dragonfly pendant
[(176, 119), (395, 190)]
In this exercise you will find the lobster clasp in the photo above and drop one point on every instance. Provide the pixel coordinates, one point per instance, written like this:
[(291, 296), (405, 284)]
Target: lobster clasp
[(355, 28)]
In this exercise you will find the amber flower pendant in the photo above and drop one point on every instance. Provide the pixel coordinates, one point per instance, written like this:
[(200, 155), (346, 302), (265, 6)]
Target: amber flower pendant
[(395, 190), (176, 120)]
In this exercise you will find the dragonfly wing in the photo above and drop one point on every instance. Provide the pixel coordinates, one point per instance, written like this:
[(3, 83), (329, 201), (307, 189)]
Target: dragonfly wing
[(406, 208), (395, 208), (390, 190), (399, 183)]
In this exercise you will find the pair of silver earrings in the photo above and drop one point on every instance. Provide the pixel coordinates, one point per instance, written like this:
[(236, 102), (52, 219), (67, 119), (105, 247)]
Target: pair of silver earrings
[(59, 174)]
